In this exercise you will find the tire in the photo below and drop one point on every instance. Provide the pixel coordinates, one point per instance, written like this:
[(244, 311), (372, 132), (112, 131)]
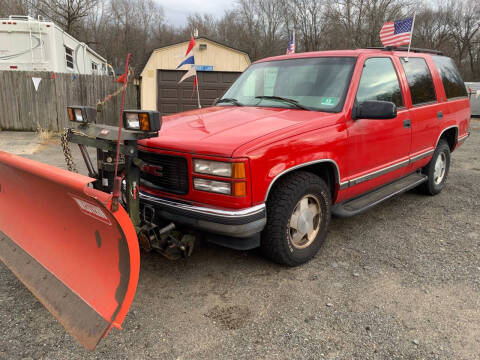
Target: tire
[(286, 206), (437, 177)]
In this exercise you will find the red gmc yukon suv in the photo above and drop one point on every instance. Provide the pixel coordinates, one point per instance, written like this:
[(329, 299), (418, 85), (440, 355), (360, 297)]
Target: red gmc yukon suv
[(299, 137)]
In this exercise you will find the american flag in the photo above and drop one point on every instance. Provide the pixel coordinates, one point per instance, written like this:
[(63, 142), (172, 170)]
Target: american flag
[(396, 33), (291, 44)]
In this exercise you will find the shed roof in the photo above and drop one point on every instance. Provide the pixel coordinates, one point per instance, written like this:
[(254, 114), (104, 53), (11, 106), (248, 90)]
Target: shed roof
[(166, 47)]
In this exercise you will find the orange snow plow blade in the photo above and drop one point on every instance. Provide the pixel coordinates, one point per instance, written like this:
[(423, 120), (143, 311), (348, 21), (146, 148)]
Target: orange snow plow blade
[(58, 236)]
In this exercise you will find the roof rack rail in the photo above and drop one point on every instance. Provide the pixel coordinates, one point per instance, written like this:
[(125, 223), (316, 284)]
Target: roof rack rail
[(403, 48)]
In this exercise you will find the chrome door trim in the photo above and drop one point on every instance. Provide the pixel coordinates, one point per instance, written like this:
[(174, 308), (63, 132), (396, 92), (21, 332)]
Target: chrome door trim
[(421, 156), (388, 169), (378, 173), (394, 167)]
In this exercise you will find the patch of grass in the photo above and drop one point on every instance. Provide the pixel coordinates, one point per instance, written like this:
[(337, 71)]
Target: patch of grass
[(44, 134)]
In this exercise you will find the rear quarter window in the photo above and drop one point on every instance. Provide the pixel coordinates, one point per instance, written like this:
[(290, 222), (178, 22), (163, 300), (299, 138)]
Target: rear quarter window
[(419, 80), (451, 78)]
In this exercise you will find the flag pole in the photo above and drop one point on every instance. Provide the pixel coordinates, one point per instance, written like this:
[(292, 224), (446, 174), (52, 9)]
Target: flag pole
[(294, 45), (411, 35), (198, 93)]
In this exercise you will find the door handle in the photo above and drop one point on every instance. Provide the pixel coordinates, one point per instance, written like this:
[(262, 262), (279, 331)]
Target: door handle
[(439, 115), (407, 124)]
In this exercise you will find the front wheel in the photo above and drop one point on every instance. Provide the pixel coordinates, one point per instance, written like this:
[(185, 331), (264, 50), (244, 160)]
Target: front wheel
[(298, 214), (437, 169)]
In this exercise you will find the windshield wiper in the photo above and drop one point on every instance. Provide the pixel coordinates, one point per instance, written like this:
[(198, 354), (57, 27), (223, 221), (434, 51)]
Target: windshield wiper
[(281, 98), (230, 100)]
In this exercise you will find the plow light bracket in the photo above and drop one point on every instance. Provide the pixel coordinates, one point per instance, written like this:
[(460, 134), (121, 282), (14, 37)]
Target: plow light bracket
[(141, 120), (82, 114)]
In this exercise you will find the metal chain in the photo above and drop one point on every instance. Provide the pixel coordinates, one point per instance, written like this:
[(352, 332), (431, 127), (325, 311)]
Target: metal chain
[(67, 152)]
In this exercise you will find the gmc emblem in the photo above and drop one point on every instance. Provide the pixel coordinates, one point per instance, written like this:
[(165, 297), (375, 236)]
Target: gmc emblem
[(153, 169)]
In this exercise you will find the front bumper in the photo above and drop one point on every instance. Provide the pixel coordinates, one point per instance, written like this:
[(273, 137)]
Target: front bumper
[(242, 223)]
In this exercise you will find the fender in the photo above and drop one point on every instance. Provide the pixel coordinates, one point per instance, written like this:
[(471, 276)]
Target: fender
[(443, 131), (342, 185)]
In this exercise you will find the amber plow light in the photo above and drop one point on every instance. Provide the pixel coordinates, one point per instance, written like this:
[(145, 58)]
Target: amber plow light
[(142, 120), (82, 114)]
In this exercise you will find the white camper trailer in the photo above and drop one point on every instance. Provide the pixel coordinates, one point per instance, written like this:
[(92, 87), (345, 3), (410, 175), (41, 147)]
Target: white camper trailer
[(28, 44)]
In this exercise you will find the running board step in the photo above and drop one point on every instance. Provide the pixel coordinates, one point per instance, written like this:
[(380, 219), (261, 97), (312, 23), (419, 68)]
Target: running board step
[(372, 198)]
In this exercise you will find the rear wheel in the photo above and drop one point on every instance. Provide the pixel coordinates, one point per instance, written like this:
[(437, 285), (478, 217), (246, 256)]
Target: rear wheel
[(298, 214), (437, 169)]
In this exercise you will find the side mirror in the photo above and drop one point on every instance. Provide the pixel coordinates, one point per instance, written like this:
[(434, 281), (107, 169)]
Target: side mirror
[(215, 101), (374, 109)]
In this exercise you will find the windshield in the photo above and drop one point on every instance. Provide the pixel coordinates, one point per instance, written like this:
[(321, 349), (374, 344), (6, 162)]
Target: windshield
[(319, 83)]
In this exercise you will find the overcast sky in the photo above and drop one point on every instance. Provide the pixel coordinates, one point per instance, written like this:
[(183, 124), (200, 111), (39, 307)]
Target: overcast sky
[(176, 11)]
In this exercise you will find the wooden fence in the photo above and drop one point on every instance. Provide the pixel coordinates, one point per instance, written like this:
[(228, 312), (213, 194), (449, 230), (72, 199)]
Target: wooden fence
[(24, 108)]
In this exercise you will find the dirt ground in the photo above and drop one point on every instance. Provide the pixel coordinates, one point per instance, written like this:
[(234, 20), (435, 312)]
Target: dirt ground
[(399, 282)]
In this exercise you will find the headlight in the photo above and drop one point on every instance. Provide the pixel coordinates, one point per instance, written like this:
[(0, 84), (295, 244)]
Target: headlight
[(220, 187), (141, 120), (219, 168), (82, 114), (216, 168)]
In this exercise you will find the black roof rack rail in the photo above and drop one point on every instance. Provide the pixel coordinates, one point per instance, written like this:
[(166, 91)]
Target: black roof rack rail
[(403, 48)]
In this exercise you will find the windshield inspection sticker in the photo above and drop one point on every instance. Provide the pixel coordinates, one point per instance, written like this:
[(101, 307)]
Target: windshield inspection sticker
[(329, 101)]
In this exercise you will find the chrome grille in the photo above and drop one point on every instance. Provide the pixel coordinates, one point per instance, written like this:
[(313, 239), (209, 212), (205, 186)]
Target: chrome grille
[(164, 172)]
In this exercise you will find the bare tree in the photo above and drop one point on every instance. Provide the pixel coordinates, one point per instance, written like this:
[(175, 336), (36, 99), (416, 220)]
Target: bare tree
[(250, 32), (132, 28), (14, 7), (310, 23), (464, 23), (360, 21), (231, 30), (206, 25), (67, 13), (270, 17), (262, 27), (431, 28)]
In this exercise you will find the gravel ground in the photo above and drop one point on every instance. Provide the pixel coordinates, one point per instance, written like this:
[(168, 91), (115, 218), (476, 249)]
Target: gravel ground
[(399, 282)]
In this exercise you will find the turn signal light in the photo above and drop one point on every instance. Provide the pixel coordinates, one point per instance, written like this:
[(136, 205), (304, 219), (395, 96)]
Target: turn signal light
[(239, 189), (238, 170)]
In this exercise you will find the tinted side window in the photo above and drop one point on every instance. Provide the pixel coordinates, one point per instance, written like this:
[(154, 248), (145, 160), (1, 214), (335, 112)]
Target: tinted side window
[(420, 80), (451, 79), (379, 81)]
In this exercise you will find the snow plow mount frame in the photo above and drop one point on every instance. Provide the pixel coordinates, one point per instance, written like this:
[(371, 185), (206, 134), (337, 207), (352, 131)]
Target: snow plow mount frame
[(104, 138)]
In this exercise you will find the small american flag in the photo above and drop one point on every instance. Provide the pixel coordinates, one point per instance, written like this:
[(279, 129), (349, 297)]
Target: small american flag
[(291, 44), (396, 33)]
